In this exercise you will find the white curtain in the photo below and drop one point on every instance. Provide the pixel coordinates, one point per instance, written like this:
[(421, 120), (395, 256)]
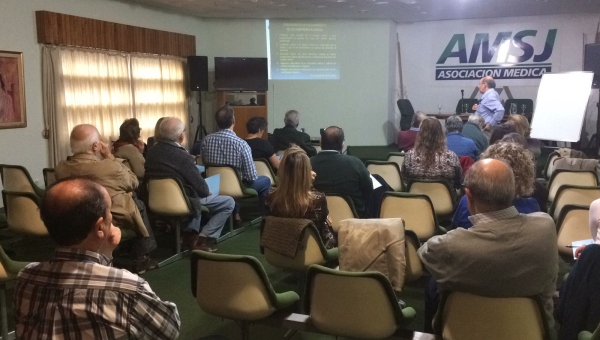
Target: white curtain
[(105, 88), (158, 91)]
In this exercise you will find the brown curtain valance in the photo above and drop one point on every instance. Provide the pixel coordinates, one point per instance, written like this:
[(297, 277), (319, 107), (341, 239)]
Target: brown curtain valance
[(61, 29)]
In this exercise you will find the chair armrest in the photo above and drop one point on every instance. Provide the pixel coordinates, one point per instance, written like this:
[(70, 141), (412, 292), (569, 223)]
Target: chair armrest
[(286, 299), (584, 335), (332, 254), (409, 313), (248, 192)]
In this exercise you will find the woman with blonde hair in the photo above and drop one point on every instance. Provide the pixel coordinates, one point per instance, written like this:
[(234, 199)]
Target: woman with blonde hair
[(295, 197), (430, 159), (521, 162)]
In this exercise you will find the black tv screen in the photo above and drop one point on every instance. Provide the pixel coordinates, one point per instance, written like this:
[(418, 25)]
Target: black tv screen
[(241, 74)]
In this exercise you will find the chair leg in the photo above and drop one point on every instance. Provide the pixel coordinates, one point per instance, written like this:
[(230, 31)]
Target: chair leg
[(178, 253), (3, 313), (245, 326)]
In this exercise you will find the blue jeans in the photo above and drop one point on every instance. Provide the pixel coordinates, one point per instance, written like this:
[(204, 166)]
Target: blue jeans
[(262, 185), (220, 208)]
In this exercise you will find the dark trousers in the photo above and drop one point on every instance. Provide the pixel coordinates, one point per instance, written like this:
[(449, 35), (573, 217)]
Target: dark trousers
[(579, 305), (432, 302), (141, 246), (374, 201)]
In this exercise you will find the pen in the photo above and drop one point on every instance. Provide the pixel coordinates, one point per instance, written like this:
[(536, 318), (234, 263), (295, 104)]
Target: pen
[(572, 246)]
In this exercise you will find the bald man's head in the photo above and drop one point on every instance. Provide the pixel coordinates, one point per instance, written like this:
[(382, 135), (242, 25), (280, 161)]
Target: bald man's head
[(71, 208), (332, 139), (83, 138), (491, 183), (171, 129)]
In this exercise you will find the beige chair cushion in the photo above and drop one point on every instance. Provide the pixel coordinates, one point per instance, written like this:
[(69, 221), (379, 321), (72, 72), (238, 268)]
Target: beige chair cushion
[(165, 198), (389, 173), (438, 194), (262, 169), (23, 216), (575, 227), (309, 253), (232, 290), (230, 184), (398, 159), (16, 180), (374, 245), (351, 306), (471, 317), (574, 196), (338, 210), (416, 213), (584, 179)]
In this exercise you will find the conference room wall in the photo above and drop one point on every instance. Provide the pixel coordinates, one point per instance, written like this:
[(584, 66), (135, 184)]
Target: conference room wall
[(26, 146), (420, 49), (360, 101)]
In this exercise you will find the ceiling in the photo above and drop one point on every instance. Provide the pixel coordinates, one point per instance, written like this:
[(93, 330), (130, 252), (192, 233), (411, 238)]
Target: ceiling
[(397, 10)]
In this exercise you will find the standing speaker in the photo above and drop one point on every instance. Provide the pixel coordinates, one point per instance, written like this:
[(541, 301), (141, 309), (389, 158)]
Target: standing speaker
[(198, 73), (592, 62)]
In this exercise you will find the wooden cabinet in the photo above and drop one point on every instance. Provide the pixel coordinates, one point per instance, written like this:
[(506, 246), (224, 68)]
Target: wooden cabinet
[(243, 113)]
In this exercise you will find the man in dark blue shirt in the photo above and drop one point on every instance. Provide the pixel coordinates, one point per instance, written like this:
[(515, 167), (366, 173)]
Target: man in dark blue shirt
[(456, 142)]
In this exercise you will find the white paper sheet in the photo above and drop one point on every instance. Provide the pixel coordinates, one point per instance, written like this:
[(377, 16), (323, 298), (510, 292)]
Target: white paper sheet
[(577, 244), (376, 183)]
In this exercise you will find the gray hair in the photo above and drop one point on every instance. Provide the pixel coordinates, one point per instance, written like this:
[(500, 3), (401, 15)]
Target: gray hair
[(292, 118), (171, 129), (83, 137), (417, 118), (491, 83), (477, 120), (454, 124), (495, 188)]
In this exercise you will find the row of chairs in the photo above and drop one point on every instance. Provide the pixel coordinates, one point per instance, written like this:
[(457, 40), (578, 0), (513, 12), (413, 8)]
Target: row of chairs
[(351, 304)]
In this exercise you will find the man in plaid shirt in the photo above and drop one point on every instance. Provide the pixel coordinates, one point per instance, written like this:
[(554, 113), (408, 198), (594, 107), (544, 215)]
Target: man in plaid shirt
[(78, 294), (225, 148)]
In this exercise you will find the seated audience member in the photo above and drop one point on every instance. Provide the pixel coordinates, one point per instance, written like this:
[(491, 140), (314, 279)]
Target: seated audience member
[(458, 143), (92, 157), (504, 254), (168, 157), (341, 174), (153, 139), (473, 130), (129, 146), (256, 127), (225, 148), (500, 131), (252, 102), (406, 139), (431, 159), (578, 308), (78, 294), (287, 136), (521, 162), (594, 223), (294, 197), (514, 137), (522, 126)]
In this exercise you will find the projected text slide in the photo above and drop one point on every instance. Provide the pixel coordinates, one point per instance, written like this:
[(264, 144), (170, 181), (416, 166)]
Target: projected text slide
[(303, 51)]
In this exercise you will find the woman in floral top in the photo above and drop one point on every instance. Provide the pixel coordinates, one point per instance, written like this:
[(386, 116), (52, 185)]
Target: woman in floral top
[(295, 197), (430, 159)]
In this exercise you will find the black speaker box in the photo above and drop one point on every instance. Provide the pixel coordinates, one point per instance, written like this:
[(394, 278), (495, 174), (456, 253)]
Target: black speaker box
[(592, 62), (198, 73)]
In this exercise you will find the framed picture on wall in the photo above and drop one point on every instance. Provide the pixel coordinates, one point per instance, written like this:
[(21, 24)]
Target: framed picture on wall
[(12, 91)]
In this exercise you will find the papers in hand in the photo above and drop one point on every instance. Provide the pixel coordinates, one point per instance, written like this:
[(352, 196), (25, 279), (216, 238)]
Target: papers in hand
[(214, 184), (376, 183), (577, 244)]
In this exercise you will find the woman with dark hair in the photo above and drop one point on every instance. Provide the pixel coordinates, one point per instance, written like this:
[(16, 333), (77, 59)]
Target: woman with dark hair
[(430, 159), (295, 196), (256, 127), (130, 147), (500, 131)]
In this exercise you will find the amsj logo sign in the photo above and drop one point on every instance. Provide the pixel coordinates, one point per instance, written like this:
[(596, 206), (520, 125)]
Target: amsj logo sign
[(509, 56)]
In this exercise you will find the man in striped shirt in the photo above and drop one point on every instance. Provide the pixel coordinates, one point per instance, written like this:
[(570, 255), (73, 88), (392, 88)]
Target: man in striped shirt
[(224, 147), (78, 294)]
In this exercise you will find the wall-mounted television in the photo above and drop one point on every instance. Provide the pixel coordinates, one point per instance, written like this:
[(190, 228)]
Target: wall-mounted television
[(241, 74)]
